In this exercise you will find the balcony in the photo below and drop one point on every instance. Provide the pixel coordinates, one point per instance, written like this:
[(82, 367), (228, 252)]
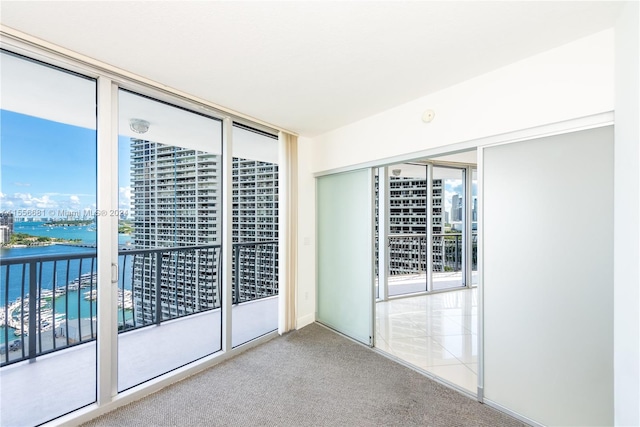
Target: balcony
[(408, 262), (164, 323)]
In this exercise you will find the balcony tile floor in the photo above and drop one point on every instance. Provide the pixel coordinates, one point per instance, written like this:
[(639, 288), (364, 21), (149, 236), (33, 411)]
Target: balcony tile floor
[(60, 382), (436, 333)]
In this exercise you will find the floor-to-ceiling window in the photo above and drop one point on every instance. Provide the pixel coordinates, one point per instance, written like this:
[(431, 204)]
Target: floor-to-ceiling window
[(81, 158), (448, 227), (427, 225), (170, 174), (473, 238), (48, 323), (255, 234), (407, 228), (429, 211)]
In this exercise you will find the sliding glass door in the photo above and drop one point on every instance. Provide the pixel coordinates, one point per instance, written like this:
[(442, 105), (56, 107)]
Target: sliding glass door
[(426, 227), (345, 230), (48, 316), (473, 237), (170, 220), (407, 228), (255, 234), (448, 228)]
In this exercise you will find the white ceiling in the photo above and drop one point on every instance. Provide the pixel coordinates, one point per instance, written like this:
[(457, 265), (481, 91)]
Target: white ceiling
[(308, 66)]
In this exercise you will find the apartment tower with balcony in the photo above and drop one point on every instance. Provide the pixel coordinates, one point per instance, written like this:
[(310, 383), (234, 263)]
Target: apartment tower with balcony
[(6, 226), (255, 229), (177, 198), (408, 222)]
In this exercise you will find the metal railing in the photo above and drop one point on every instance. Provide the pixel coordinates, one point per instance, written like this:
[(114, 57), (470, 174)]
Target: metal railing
[(154, 286), (447, 252), (408, 253), (257, 276), (39, 295)]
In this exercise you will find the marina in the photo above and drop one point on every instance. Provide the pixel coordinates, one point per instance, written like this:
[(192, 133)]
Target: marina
[(59, 305), (58, 300), (66, 290)]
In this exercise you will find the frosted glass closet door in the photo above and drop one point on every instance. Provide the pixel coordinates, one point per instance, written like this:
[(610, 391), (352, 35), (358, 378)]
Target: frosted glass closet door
[(548, 277), (345, 253)]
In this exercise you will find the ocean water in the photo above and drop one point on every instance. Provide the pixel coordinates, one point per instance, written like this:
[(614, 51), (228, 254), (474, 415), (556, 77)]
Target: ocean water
[(14, 282), (86, 233)]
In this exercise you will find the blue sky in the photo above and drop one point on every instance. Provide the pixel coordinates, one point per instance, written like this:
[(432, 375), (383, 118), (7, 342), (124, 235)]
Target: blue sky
[(453, 187), (49, 166)]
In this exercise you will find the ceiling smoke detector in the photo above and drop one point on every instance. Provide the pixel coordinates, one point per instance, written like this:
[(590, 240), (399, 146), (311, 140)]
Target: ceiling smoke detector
[(139, 125)]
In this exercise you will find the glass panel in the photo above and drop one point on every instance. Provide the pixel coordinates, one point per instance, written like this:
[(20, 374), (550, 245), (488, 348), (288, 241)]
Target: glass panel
[(255, 235), (345, 228), (377, 205), (170, 227), (474, 227), (48, 235), (448, 227), (407, 228)]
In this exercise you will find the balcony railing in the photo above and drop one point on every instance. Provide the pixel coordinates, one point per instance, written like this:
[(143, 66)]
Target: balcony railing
[(408, 253), (257, 276), (40, 294), (154, 286)]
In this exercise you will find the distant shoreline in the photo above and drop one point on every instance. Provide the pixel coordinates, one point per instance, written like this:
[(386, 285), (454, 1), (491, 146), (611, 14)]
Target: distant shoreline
[(24, 240), (73, 223), (45, 244)]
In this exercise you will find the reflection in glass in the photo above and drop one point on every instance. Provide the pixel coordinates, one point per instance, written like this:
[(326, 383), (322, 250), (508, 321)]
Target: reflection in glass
[(474, 226), (407, 228), (448, 227), (170, 196), (47, 208), (255, 234)]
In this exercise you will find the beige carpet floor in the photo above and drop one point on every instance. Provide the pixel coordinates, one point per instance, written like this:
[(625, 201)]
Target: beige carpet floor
[(310, 377)]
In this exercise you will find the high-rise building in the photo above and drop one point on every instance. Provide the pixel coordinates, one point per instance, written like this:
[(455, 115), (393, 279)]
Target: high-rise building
[(437, 225), (177, 198), (6, 227), (255, 229), (474, 212), (407, 224), (456, 208)]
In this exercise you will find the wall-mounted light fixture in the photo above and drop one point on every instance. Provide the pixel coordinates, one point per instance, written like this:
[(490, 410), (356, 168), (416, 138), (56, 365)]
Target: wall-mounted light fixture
[(396, 172), (139, 125)]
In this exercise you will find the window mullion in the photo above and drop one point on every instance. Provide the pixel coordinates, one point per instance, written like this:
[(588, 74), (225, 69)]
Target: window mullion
[(107, 242)]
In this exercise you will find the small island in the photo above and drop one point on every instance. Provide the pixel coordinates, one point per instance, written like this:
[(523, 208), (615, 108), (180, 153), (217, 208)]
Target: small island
[(22, 240), (69, 223), (125, 227)]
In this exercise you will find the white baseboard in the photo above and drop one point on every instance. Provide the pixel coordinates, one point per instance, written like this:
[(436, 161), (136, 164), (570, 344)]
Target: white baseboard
[(303, 321)]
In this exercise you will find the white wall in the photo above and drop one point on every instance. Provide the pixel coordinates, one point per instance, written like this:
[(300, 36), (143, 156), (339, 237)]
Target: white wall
[(626, 219), (571, 81), (306, 294)]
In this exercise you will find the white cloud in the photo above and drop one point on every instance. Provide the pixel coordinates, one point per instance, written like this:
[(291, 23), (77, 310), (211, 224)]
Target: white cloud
[(125, 197), (5, 203), (74, 201), (45, 202), (28, 201)]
